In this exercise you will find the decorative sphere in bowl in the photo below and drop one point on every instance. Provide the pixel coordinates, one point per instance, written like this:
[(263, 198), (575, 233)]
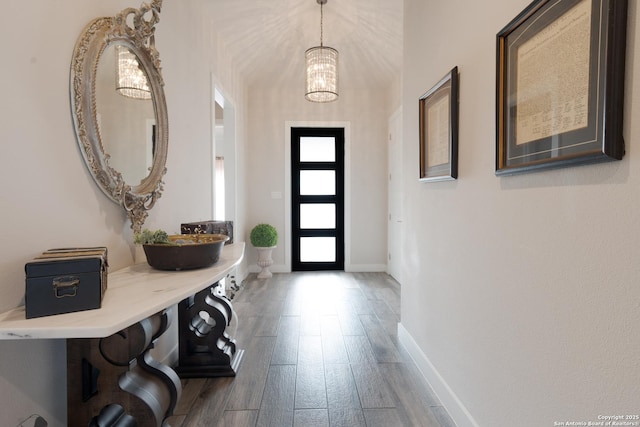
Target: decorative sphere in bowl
[(185, 251)]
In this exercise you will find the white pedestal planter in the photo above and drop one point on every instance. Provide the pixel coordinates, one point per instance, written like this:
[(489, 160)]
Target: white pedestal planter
[(264, 262)]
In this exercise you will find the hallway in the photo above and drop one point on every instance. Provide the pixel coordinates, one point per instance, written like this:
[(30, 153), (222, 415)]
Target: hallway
[(320, 349)]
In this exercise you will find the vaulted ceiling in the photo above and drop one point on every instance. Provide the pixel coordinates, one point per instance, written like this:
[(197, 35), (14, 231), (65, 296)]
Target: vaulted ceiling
[(267, 39)]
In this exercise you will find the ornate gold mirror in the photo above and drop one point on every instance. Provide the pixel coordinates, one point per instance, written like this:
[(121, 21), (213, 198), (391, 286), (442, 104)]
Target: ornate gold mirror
[(119, 109)]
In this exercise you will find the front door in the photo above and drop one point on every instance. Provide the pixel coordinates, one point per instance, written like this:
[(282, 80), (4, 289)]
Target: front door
[(317, 196)]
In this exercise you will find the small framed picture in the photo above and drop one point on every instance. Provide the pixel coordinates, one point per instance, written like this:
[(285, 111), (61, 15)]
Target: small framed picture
[(560, 85), (439, 130)]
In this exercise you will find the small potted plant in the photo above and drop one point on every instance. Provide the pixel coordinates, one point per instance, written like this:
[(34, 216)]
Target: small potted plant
[(145, 237), (264, 238)]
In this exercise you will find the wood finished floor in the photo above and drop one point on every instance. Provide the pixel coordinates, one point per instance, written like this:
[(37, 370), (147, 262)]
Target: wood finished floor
[(320, 349)]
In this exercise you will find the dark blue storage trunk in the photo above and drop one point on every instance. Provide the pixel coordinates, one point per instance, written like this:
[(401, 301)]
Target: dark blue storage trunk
[(65, 280)]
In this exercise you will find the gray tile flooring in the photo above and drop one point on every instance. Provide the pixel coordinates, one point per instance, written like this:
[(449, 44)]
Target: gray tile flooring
[(320, 349)]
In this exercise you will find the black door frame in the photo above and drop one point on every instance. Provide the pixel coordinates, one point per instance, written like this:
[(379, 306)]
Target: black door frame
[(297, 199)]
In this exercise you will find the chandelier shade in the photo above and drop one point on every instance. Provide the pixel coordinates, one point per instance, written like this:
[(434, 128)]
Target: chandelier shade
[(322, 74), (131, 80), (321, 64)]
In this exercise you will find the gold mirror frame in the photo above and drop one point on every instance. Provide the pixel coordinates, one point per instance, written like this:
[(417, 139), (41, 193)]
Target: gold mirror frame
[(134, 29)]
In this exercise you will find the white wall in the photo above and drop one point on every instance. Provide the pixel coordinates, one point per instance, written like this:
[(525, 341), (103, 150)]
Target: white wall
[(48, 199), (520, 294), (367, 113)]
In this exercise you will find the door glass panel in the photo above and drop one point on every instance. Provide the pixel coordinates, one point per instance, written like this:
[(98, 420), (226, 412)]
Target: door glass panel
[(317, 149), (317, 215), (317, 182), (318, 249)]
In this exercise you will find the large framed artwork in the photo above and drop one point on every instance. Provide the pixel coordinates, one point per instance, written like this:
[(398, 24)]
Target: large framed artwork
[(439, 130), (560, 85)]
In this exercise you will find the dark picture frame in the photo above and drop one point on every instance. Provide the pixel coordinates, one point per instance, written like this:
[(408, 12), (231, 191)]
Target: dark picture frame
[(560, 85), (439, 130)]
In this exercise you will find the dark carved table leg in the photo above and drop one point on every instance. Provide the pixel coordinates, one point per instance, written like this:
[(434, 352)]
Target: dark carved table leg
[(114, 381), (206, 350)]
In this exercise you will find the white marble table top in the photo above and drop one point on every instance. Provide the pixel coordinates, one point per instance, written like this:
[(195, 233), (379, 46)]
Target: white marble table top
[(133, 293)]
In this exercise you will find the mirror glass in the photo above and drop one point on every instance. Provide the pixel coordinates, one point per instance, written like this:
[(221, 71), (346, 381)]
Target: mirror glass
[(126, 116)]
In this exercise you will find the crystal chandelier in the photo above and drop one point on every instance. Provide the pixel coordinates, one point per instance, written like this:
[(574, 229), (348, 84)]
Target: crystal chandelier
[(131, 81), (322, 70)]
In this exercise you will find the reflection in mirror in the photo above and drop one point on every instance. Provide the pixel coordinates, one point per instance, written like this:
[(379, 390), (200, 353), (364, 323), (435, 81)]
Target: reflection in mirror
[(126, 120), (131, 79)]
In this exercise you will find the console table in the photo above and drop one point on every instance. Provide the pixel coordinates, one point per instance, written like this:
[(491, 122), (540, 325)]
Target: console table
[(112, 379)]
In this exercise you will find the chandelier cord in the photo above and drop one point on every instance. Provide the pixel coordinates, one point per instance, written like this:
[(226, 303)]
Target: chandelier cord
[(321, 19)]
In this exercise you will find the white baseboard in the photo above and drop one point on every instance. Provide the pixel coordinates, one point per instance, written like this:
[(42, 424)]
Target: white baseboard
[(365, 268), (172, 357), (456, 409), (349, 268), (241, 273)]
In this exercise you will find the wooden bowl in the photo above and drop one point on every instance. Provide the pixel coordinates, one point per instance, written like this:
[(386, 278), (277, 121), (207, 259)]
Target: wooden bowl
[(186, 251)]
